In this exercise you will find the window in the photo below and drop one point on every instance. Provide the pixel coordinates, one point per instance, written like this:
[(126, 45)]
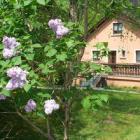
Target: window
[(96, 55), (117, 28), (138, 56), (123, 53)]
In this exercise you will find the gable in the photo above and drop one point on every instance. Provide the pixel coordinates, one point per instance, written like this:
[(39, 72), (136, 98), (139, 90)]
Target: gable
[(104, 33)]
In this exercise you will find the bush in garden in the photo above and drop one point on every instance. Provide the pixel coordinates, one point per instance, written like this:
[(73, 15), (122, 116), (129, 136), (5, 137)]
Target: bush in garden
[(28, 62)]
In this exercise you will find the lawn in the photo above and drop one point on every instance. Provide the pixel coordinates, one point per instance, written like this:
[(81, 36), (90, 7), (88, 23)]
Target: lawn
[(118, 120)]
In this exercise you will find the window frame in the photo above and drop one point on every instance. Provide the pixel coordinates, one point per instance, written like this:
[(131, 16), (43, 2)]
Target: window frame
[(98, 57), (123, 54), (137, 61), (118, 26)]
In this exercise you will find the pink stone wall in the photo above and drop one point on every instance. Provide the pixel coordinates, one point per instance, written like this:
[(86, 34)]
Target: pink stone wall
[(117, 81)]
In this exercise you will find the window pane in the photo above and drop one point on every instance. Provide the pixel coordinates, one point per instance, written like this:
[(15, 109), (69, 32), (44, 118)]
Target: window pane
[(117, 28), (123, 53), (137, 56), (120, 27), (96, 55)]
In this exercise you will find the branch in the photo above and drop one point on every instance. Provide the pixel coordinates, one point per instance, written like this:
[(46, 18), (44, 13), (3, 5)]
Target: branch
[(37, 129)]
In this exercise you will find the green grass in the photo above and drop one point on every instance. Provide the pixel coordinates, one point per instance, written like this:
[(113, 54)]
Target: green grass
[(118, 120)]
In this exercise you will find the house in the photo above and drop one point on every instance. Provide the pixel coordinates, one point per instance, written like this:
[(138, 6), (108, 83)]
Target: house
[(124, 50), (123, 42)]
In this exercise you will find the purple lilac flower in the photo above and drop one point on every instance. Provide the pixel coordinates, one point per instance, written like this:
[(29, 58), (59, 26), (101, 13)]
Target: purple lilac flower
[(14, 84), (17, 73), (10, 42), (18, 78), (30, 106), (54, 23), (2, 97), (9, 47), (57, 26), (50, 106), (61, 31), (8, 53)]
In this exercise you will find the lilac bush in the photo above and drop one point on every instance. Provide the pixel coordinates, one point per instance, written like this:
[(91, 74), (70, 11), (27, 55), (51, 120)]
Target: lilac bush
[(43, 68)]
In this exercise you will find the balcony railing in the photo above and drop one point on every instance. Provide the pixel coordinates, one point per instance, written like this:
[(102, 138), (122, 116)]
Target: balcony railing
[(125, 69)]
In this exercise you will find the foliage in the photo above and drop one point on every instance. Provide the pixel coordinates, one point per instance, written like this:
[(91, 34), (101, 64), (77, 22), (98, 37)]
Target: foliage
[(49, 60), (94, 101), (121, 116)]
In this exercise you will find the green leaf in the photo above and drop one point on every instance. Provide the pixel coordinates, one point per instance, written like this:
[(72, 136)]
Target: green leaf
[(51, 52), (28, 50), (1, 47), (70, 43), (42, 2), (6, 92), (64, 4), (103, 97), (61, 57), (47, 47), (17, 6), (33, 82), (27, 2), (39, 114), (29, 56), (37, 45), (17, 60), (46, 70), (50, 62), (86, 103), (33, 75), (44, 95), (41, 65), (98, 103), (47, 1), (27, 87)]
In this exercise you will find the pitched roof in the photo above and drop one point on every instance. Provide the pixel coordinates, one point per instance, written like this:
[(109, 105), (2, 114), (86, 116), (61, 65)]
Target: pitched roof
[(105, 19), (97, 26)]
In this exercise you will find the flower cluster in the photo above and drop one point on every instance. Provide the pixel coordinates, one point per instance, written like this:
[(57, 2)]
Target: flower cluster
[(18, 78), (2, 97), (50, 105), (57, 26), (9, 47), (30, 106)]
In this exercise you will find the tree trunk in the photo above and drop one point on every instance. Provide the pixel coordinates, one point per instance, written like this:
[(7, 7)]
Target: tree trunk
[(49, 130), (85, 27), (66, 121), (67, 86), (85, 19), (73, 10)]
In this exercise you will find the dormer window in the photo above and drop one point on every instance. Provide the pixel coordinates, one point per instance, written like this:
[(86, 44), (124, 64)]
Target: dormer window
[(117, 28)]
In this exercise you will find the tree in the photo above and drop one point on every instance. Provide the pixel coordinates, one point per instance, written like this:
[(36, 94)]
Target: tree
[(47, 54)]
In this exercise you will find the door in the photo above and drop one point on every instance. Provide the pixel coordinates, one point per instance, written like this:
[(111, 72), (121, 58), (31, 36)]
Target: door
[(112, 57)]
